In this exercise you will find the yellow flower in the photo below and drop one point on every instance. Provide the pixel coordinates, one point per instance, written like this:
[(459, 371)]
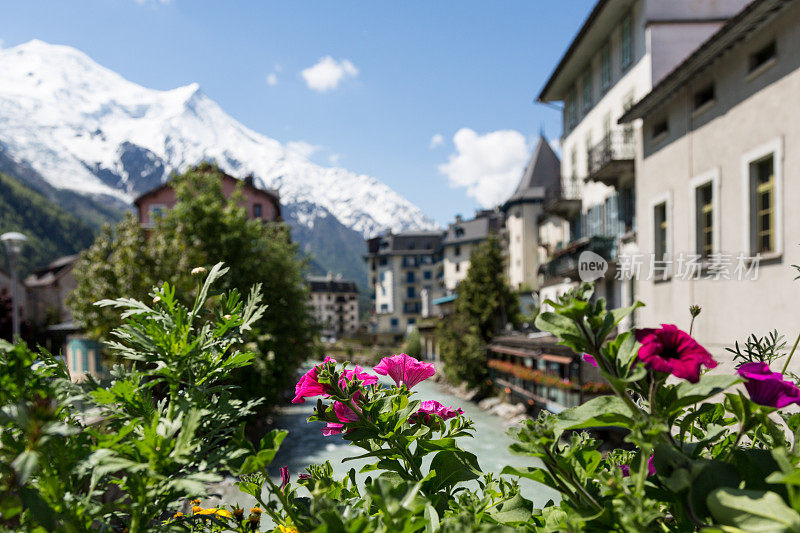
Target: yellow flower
[(177, 515), (284, 529), (195, 502), (196, 509), (255, 510)]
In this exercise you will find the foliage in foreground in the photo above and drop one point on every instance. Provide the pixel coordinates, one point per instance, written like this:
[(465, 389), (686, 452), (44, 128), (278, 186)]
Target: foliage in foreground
[(129, 455), (202, 228)]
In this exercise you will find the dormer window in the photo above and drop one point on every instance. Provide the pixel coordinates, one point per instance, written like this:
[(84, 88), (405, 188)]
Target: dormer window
[(704, 97), (763, 56), (459, 232), (660, 129)]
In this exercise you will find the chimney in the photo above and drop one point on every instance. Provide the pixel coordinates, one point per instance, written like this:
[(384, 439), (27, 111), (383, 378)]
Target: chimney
[(459, 219), (248, 180)]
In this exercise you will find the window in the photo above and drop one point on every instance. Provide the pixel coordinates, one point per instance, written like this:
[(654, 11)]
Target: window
[(457, 250), (605, 67), (458, 267), (572, 108), (704, 96), (256, 210), (412, 321), (587, 89), (573, 163), (660, 231), (627, 38), (762, 204), (157, 211), (410, 276), (427, 274), (660, 128), (704, 200), (394, 322), (410, 292), (763, 56)]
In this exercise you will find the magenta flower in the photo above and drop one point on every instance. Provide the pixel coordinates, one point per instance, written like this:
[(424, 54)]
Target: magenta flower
[(432, 407), (768, 388), (344, 414), (358, 373), (590, 359), (308, 386), (673, 351), (651, 469), (404, 369), (284, 476)]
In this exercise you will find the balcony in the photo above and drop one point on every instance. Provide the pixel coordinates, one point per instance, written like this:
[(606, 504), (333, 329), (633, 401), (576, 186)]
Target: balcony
[(565, 261), (564, 201), (611, 160)]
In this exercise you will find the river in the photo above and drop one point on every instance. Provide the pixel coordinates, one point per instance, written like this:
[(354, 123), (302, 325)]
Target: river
[(306, 445)]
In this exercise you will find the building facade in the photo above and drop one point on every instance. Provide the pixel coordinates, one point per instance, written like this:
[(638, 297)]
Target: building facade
[(260, 204), (461, 239), (400, 267), (334, 305), (719, 179), (620, 52)]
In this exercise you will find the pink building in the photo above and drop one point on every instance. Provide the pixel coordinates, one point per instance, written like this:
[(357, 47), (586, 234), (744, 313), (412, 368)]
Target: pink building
[(260, 203)]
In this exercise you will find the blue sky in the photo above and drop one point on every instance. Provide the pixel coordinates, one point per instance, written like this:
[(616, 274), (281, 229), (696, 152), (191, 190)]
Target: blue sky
[(433, 98)]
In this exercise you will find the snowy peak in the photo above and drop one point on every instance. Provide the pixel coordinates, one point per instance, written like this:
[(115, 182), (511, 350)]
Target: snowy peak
[(85, 128)]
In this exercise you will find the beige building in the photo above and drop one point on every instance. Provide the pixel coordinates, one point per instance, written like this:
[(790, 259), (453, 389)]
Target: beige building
[(622, 50), (401, 268), (460, 240), (719, 179), (334, 305), (524, 211)]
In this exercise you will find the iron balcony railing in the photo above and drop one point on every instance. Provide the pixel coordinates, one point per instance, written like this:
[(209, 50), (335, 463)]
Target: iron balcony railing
[(565, 261), (617, 145)]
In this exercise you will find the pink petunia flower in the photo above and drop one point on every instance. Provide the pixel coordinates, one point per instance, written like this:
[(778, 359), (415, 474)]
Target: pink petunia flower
[(673, 351), (651, 469), (308, 386), (358, 373), (433, 408), (768, 388), (344, 414), (590, 359), (284, 476), (404, 369)]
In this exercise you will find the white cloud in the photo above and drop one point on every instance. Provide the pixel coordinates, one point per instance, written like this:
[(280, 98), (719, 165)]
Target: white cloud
[(328, 73), (334, 159), (272, 79), (436, 141), (489, 166), (302, 148)]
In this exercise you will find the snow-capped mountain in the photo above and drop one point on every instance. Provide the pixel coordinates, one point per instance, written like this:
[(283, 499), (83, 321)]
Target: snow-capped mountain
[(84, 128)]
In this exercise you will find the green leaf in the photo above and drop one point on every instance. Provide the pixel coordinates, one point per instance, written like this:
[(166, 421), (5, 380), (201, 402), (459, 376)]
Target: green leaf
[(709, 385), (597, 412), (752, 510), (435, 445), (516, 510), (25, 465), (452, 467), (431, 519)]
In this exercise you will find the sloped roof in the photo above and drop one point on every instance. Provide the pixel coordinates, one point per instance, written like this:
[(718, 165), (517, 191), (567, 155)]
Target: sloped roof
[(543, 173), (753, 17), (475, 229)]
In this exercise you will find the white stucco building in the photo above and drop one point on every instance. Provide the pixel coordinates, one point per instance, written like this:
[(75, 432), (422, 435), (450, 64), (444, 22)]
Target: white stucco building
[(622, 50), (334, 305), (718, 179)]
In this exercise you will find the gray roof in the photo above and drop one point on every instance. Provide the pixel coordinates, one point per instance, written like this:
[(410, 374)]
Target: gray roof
[(736, 30), (475, 229), (325, 284), (542, 174), (411, 242)]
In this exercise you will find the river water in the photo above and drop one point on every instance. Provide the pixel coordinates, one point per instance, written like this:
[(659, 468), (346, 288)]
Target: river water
[(306, 445)]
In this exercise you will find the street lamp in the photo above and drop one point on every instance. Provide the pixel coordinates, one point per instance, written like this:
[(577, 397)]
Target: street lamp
[(14, 242)]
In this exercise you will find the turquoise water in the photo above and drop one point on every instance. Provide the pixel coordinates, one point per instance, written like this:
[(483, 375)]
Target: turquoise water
[(306, 445)]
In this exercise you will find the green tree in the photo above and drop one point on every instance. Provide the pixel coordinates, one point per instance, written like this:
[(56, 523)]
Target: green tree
[(413, 343), (204, 228), (484, 306)]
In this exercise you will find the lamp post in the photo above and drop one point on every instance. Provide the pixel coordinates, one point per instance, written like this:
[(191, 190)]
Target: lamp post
[(14, 242)]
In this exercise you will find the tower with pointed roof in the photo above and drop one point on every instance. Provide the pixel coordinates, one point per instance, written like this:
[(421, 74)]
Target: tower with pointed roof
[(524, 209)]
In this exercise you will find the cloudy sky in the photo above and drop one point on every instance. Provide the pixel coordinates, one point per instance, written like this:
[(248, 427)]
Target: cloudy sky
[(436, 99)]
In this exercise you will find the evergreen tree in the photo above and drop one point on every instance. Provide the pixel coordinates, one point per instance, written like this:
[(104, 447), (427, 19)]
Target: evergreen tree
[(203, 228), (484, 306)]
